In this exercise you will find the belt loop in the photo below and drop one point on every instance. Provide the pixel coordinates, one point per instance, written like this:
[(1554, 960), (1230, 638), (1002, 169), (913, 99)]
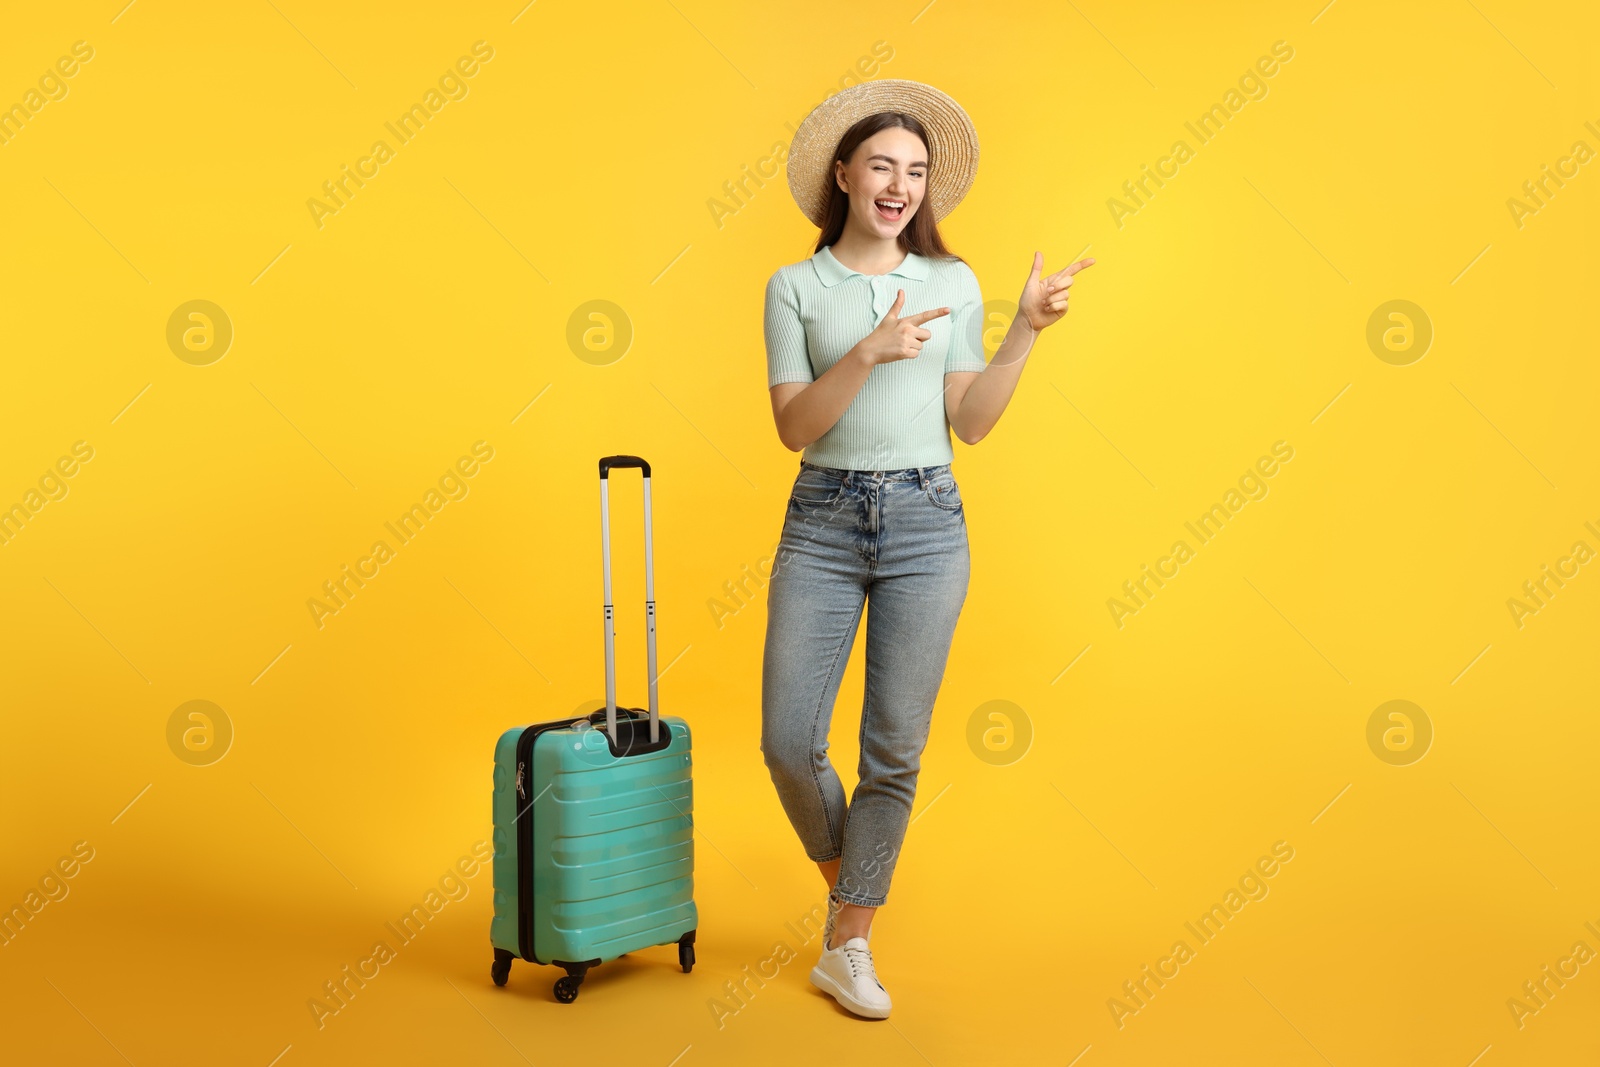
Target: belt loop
[(922, 477)]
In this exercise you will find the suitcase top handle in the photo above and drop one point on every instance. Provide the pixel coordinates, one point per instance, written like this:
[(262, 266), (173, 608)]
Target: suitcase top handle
[(598, 716), (623, 461)]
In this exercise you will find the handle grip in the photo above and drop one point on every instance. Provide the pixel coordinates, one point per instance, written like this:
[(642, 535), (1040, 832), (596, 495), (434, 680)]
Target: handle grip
[(610, 462)]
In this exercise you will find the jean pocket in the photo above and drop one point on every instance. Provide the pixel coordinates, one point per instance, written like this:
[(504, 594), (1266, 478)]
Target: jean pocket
[(813, 489), (943, 492)]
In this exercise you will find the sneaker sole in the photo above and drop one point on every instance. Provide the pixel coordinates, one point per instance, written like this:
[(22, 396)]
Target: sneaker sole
[(824, 981)]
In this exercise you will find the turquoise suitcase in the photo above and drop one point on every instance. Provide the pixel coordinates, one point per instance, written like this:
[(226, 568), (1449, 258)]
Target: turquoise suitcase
[(594, 819)]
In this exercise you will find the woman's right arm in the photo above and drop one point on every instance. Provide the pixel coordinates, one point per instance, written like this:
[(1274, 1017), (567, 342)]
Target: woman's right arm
[(804, 411)]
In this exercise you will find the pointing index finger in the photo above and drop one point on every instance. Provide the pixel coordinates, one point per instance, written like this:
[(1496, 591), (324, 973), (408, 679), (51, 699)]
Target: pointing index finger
[(923, 316), (1067, 272), (1062, 278)]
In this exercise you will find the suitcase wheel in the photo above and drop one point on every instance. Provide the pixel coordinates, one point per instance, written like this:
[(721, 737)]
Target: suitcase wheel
[(686, 955), (567, 988), (500, 970)]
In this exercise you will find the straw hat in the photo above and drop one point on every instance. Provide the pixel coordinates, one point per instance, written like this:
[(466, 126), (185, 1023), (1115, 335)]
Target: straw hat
[(952, 142)]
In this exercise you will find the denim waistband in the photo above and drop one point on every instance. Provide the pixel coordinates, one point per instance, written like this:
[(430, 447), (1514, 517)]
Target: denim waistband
[(905, 474)]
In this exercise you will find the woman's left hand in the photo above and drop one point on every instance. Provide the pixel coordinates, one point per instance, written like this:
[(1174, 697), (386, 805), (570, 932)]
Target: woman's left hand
[(1044, 299)]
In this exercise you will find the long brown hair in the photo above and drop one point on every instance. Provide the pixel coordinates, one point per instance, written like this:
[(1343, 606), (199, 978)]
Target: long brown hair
[(922, 235)]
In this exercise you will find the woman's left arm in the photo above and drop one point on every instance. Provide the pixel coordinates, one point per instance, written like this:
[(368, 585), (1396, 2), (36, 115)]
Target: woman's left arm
[(973, 400)]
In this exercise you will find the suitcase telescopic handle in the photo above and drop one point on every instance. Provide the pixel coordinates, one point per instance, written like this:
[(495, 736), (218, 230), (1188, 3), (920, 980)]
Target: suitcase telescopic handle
[(606, 465)]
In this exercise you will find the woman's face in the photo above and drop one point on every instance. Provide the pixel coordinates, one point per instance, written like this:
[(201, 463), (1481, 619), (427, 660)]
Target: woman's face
[(886, 180)]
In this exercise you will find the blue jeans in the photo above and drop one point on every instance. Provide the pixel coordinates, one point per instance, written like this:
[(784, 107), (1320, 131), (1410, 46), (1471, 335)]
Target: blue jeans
[(899, 539)]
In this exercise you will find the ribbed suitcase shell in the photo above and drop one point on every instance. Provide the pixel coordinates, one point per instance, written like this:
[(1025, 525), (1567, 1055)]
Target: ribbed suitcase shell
[(611, 867)]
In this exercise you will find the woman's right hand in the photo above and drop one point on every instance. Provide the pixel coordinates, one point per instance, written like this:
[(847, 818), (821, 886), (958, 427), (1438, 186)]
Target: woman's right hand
[(897, 338)]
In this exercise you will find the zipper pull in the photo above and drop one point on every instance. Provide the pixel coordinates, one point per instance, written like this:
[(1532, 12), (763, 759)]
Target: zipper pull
[(522, 794)]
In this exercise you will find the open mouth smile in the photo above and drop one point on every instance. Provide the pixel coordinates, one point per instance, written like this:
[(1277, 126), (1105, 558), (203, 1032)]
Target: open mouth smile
[(890, 209)]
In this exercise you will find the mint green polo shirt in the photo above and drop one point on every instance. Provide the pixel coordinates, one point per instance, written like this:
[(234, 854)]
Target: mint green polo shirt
[(819, 309)]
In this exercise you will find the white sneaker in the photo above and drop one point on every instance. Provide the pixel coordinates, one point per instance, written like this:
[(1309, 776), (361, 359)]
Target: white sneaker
[(833, 909), (846, 974)]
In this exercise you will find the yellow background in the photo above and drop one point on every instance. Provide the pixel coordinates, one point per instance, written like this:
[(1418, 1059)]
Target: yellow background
[(429, 312)]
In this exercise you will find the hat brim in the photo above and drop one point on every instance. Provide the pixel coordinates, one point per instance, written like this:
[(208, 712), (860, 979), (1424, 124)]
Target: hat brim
[(952, 143)]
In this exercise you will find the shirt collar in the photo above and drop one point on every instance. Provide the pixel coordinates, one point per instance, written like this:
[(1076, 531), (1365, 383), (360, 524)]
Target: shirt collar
[(832, 272)]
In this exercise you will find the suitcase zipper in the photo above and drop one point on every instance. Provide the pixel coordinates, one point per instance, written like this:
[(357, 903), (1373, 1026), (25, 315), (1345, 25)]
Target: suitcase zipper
[(524, 831)]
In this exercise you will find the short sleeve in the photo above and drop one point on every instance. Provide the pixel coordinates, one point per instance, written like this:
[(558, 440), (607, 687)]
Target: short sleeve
[(787, 358), (966, 322)]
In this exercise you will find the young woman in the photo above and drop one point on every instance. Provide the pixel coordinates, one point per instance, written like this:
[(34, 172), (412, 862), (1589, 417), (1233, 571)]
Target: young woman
[(864, 341)]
